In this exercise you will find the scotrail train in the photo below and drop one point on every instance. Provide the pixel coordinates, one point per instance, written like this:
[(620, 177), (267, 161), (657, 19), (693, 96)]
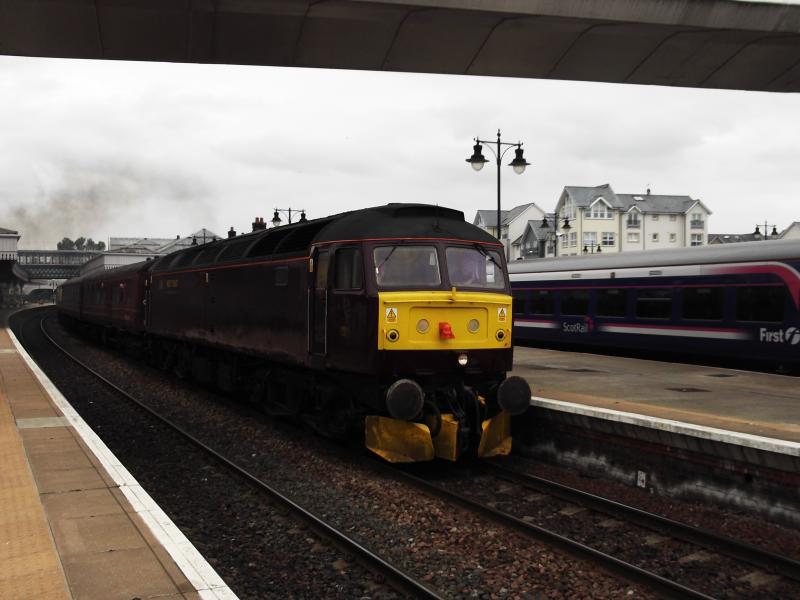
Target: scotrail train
[(396, 318), (733, 301)]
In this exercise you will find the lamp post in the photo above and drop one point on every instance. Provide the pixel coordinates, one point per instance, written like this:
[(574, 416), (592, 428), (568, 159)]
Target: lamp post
[(546, 225), (774, 235), (590, 248), (477, 161), (276, 219)]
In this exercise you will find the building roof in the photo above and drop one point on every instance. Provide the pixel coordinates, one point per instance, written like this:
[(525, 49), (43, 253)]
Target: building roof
[(8, 232), (489, 217), (584, 197)]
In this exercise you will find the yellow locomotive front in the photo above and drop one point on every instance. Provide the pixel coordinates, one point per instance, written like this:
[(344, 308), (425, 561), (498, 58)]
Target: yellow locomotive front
[(443, 350)]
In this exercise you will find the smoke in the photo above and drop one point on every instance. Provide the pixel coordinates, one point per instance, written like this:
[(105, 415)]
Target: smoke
[(100, 201)]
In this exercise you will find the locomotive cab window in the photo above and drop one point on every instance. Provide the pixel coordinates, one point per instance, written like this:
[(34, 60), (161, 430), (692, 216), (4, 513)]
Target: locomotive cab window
[(348, 269), (475, 268), (765, 304), (408, 266)]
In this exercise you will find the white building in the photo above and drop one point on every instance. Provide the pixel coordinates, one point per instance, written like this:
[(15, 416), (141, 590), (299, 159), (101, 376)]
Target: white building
[(513, 225), (602, 221), (8, 244)]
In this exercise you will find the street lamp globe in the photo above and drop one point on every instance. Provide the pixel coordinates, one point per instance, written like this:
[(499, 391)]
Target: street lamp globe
[(276, 219), (477, 160), (519, 163)]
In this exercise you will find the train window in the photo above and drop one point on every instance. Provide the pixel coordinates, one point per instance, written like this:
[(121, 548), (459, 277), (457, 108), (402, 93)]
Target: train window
[(520, 298), (282, 276), (764, 304), (542, 302), (612, 303), (415, 266), (703, 303), (575, 303), (348, 272), (475, 268), (654, 303)]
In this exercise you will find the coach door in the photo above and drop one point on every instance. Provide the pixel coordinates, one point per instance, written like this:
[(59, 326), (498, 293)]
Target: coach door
[(318, 323)]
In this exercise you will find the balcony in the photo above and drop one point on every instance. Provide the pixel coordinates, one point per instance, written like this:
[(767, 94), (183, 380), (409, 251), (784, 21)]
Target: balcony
[(634, 224), (698, 224)]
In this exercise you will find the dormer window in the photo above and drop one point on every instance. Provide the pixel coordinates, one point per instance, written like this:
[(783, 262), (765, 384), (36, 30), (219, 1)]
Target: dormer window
[(599, 210)]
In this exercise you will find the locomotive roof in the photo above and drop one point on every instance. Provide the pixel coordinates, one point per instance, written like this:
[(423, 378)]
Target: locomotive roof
[(402, 220), (390, 221), (723, 253)]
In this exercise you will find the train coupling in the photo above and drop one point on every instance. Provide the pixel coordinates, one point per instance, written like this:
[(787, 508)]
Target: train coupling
[(399, 441)]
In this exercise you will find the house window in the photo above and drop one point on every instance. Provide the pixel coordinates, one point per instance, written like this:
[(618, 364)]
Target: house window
[(590, 238), (573, 239), (633, 237), (633, 220), (697, 239), (569, 209), (609, 238), (655, 217), (673, 237), (599, 210), (673, 218), (654, 237)]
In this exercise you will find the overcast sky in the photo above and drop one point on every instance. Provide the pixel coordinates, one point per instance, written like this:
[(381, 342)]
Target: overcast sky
[(104, 149)]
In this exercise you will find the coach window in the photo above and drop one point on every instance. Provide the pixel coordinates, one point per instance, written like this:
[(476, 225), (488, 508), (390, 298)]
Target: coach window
[(575, 303), (654, 303), (703, 303), (349, 272), (612, 303), (520, 298), (765, 304), (542, 302)]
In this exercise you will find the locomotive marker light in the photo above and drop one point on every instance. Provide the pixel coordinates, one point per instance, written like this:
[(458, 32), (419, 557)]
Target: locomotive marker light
[(463, 359), (477, 160)]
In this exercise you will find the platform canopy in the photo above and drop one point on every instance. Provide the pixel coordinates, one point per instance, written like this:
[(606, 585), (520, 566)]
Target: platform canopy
[(691, 43)]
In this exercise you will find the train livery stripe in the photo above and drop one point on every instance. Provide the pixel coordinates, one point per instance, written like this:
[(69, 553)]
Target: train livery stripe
[(787, 273), (675, 331), (536, 324)]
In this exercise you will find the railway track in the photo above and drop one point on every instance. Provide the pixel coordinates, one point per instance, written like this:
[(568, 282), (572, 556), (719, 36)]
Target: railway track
[(665, 586), (397, 578)]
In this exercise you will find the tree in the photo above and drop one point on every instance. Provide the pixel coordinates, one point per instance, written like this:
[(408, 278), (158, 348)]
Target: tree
[(66, 244), (80, 243)]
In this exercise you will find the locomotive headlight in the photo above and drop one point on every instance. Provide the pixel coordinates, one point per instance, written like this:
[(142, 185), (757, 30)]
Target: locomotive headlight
[(473, 326), (423, 326), (393, 335), (463, 359), (500, 335)]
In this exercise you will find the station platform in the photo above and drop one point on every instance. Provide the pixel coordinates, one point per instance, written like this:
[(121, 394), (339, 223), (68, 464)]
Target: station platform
[(743, 403), (74, 523)]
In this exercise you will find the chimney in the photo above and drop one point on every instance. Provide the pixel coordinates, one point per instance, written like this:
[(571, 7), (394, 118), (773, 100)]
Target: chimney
[(259, 224), (648, 191), (231, 233)]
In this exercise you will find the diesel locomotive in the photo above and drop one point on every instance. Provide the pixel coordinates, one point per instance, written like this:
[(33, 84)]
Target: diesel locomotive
[(392, 321)]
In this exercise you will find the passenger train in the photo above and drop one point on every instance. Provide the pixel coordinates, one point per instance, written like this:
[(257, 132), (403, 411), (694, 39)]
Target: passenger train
[(733, 302), (395, 318)]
